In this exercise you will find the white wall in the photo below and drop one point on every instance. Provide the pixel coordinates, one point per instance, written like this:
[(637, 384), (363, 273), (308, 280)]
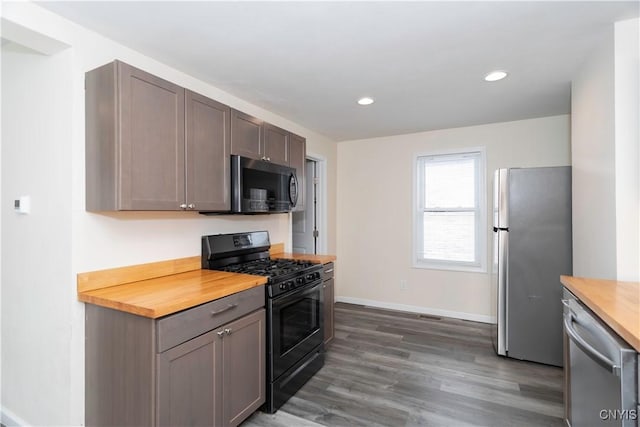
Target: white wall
[(604, 142), (37, 299), (627, 151), (43, 155), (375, 213), (593, 161)]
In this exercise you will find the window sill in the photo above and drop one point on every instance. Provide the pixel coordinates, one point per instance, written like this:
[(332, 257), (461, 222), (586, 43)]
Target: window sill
[(449, 267)]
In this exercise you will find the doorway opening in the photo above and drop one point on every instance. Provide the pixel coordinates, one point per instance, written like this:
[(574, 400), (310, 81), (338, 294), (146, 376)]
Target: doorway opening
[(309, 225)]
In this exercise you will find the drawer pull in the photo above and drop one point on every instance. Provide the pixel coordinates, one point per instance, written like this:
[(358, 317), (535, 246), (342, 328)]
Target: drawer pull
[(329, 270), (220, 334), (227, 331), (227, 308)]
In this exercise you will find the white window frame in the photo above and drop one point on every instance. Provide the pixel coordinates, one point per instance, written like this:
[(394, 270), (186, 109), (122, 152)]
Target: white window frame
[(480, 264)]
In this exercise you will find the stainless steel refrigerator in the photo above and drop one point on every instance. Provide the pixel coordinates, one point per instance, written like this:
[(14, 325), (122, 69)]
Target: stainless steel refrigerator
[(531, 249)]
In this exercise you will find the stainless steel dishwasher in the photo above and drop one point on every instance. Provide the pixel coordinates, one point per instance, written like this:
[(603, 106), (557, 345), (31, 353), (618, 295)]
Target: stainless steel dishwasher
[(601, 369)]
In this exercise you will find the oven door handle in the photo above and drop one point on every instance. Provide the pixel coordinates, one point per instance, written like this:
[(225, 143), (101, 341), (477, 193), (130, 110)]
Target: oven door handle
[(589, 350), (298, 292)]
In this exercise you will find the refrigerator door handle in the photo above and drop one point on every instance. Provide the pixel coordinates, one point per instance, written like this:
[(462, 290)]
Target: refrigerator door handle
[(502, 198), (503, 309)]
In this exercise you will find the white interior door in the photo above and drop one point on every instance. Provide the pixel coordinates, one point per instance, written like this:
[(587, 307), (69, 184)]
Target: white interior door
[(304, 222)]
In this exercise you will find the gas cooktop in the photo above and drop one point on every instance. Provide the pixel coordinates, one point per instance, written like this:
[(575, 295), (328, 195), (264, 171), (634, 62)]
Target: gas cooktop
[(272, 268)]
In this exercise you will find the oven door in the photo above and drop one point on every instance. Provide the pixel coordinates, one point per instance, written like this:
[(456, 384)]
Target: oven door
[(296, 327)]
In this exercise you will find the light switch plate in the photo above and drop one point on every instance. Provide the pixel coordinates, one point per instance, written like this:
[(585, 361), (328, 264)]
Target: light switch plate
[(22, 205)]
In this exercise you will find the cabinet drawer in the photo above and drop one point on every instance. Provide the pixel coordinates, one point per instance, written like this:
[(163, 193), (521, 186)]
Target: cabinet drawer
[(327, 271), (180, 327)]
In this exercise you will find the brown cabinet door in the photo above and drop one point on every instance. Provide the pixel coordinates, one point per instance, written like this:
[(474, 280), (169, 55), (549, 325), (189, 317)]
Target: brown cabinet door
[(208, 145), (297, 160), (276, 144), (328, 310), (243, 367), (246, 135), (190, 383), (151, 141)]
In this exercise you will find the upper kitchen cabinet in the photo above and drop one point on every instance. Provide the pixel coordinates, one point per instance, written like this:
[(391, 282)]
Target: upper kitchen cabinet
[(208, 147), (297, 160), (134, 140), (276, 144), (246, 135), (135, 144), (257, 139)]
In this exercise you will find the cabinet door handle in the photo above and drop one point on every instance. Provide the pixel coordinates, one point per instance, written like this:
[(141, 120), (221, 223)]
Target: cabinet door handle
[(191, 206), (227, 331), (329, 271), (222, 310), (220, 334), (183, 206)]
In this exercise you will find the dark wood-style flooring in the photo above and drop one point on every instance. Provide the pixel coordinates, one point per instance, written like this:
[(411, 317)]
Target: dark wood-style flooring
[(389, 368)]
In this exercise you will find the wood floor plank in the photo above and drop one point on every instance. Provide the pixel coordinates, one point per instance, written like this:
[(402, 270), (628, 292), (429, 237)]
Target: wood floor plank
[(389, 368)]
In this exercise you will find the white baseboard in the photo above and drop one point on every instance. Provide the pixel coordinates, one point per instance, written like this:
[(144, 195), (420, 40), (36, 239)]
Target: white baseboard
[(9, 419), (417, 309)]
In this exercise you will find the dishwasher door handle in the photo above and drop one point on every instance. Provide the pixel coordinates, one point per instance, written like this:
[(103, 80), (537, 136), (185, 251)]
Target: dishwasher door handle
[(594, 354)]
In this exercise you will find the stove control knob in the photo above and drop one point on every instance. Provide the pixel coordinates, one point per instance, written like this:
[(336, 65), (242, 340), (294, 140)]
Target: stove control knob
[(290, 284), (283, 286), (317, 274), (300, 280)]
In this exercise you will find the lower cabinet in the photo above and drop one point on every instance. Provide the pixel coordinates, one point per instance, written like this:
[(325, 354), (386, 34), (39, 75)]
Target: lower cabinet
[(190, 383), (329, 301), (243, 368), (203, 366), (216, 379)]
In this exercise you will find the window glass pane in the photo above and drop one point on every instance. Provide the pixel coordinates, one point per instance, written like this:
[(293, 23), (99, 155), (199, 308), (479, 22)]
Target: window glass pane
[(449, 236), (449, 184)]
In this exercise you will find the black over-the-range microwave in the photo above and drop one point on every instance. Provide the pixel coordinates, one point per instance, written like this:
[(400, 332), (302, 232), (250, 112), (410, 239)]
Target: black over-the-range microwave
[(259, 186)]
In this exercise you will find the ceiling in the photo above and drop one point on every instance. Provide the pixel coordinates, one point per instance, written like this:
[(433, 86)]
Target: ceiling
[(423, 62)]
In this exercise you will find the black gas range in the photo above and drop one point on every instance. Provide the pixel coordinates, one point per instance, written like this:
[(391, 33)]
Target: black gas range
[(293, 300)]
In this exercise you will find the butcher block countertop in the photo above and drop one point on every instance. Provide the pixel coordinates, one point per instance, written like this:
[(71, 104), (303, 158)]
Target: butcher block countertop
[(158, 289), (161, 288), (616, 303), (277, 251)]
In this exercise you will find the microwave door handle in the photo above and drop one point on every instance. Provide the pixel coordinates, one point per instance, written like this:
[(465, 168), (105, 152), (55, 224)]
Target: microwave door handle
[(293, 182)]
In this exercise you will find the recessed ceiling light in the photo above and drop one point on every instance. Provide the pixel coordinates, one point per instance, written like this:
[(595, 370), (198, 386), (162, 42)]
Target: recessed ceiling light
[(495, 76), (365, 101)]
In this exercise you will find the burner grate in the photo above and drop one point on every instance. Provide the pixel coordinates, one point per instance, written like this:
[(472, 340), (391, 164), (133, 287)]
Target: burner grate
[(268, 267)]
